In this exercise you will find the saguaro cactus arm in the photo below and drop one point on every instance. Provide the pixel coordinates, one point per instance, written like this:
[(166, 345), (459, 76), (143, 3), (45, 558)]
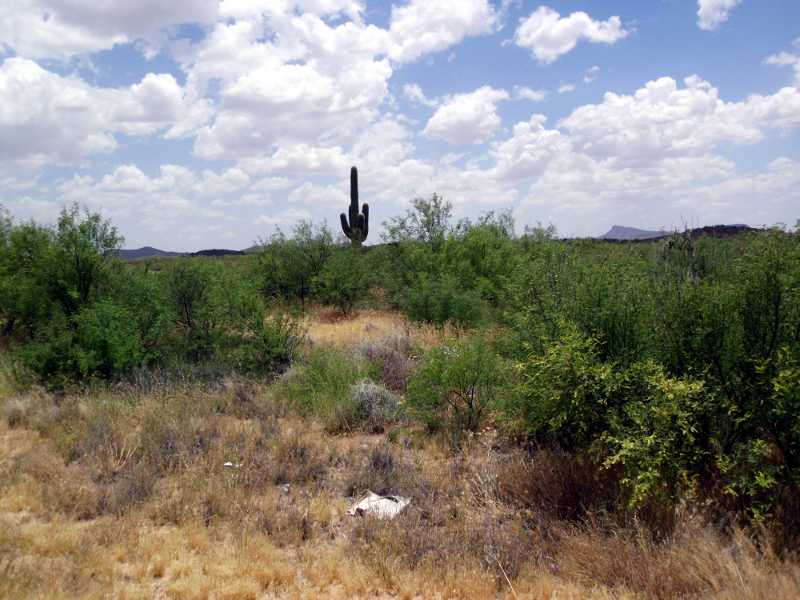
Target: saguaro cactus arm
[(355, 225)]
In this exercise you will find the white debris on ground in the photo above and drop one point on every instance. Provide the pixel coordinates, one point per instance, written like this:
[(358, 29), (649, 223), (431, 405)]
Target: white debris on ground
[(383, 507), (230, 465)]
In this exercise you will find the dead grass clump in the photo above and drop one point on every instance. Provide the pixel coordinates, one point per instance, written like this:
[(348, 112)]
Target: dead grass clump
[(65, 489), (130, 488), (371, 325), (18, 578), (246, 399), (384, 469), (505, 544), (170, 440), (554, 485), (15, 414), (297, 460), (435, 534), (285, 521), (698, 562), (396, 370)]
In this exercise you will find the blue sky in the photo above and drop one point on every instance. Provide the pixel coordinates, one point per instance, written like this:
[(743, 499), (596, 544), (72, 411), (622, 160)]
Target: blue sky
[(208, 123)]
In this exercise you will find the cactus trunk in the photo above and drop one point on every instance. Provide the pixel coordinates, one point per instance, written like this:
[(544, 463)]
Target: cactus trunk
[(355, 225)]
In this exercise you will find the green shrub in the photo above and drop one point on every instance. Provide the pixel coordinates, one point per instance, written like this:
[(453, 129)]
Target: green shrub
[(320, 385), (220, 317), (343, 281), (50, 354), (440, 300), (24, 301), (285, 267), (657, 438), (483, 257), (271, 346), (189, 291), (564, 395), (456, 386), (107, 341), (81, 261)]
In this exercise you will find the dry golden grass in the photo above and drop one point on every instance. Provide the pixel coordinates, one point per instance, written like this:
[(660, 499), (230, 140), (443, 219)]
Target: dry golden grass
[(210, 532), (327, 326), (124, 494)]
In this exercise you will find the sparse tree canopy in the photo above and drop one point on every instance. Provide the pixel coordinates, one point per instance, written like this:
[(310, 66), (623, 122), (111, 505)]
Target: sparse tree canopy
[(427, 221)]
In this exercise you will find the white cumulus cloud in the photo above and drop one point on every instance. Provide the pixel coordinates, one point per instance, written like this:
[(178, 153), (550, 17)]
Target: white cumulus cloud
[(424, 26), (526, 93), (467, 118), (786, 59), (46, 117), (662, 119), (60, 29), (712, 13), (548, 35)]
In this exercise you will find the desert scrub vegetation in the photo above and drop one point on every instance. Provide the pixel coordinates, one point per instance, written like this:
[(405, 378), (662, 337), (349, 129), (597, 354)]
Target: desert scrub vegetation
[(570, 418), (337, 386), (73, 312), (456, 385)]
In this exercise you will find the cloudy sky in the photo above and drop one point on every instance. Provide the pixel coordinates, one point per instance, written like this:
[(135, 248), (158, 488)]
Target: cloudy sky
[(207, 123)]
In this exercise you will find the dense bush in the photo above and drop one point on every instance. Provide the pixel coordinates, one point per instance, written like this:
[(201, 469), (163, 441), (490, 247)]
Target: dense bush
[(285, 267), (440, 300), (77, 312), (343, 281), (439, 272), (456, 385), (564, 394)]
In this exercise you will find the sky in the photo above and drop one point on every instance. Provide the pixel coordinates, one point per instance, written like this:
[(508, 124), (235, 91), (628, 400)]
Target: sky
[(209, 123)]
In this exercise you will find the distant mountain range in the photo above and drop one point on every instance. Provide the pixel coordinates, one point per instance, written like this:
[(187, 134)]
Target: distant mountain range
[(150, 252), (619, 233)]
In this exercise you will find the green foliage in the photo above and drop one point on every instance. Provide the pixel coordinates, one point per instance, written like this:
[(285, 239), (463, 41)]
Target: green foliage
[(49, 354), (483, 257), (107, 341), (565, 394), (657, 436), (195, 292), (79, 313), (285, 267), (220, 317), (344, 280), (271, 345), (23, 285), (440, 300), (428, 221), (321, 386), (439, 272), (43, 270), (456, 386), (81, 258)]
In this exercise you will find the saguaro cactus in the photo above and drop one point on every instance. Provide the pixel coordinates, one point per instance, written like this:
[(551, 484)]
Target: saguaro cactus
[(357, 226)]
